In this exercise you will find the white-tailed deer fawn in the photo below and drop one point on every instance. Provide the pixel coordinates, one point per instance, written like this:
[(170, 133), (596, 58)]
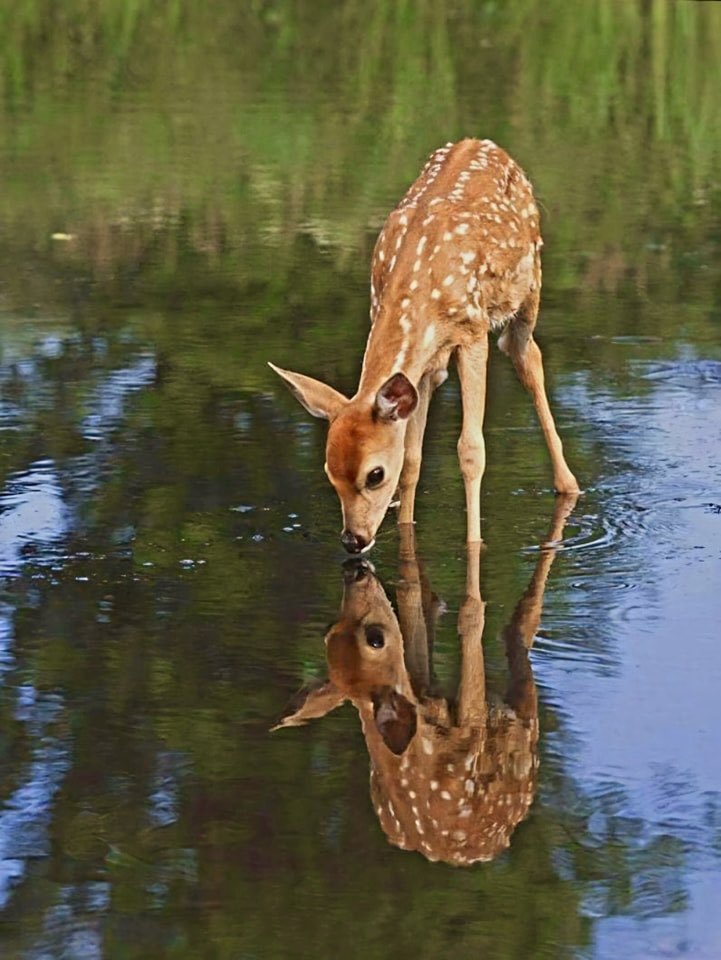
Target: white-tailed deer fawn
[(459, 256), (451, 781)]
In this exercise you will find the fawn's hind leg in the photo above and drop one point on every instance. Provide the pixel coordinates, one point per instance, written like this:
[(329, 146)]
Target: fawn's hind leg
[(517, 341)]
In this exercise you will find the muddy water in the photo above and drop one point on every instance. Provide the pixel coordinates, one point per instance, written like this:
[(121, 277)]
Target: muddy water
[(169, 546)]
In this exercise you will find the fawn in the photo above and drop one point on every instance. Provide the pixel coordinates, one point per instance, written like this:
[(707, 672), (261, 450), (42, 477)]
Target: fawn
[(451, 781), (459, 256)]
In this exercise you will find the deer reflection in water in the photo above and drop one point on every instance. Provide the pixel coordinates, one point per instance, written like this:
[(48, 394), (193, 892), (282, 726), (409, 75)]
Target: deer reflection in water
[(449, 779)]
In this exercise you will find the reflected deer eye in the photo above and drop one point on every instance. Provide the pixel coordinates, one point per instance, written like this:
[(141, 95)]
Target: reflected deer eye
[(375, 638), (375, 477)]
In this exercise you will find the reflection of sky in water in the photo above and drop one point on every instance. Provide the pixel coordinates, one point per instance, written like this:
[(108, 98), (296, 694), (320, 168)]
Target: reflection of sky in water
[(107, 403), (164, 799), (72, 927), (34, 505), (105, 409), (26, 815), (650, 726), (33, 511)]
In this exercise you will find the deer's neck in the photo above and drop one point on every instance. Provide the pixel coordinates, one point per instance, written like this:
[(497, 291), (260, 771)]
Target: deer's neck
[(401, 340)]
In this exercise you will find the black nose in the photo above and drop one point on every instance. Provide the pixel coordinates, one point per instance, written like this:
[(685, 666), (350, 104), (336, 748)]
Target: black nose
[(352, 542)]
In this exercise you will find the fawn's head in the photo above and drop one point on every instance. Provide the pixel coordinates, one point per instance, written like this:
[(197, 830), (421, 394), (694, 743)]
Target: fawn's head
[(364, 450), (364, 652)]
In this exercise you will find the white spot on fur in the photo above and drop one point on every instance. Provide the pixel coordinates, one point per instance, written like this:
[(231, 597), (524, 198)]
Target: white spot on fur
[(462, 228), (429, 336), (400, 359), (421, 245), (448, 280), (436, 294)]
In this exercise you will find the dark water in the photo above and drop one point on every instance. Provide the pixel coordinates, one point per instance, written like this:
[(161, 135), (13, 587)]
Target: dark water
[(190, 192)]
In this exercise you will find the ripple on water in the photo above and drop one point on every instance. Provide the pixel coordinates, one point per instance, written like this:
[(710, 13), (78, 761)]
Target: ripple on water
[(681, 373)]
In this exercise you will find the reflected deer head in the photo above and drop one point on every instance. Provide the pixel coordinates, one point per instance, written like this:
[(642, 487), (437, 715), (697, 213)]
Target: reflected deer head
[(449, 779)]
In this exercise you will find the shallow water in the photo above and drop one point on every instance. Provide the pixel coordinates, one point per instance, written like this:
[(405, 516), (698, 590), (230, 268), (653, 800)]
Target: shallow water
[(169, 545)]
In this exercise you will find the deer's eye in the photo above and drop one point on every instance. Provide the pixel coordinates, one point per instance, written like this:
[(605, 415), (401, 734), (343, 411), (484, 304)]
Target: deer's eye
[(374, 637), (375, 477)]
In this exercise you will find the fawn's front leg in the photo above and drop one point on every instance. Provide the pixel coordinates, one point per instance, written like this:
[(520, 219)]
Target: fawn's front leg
[(413, 453), (472, 362), (471, 621)]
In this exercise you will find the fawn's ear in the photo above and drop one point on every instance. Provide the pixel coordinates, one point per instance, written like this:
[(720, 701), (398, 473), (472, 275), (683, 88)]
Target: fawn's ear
[(395, 719), (312, 701), (318, 398), (396, 399)]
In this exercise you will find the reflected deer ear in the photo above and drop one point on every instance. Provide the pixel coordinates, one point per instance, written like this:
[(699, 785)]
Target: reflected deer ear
[(315, 700), (396, 399), (318, 398), (395, 718)]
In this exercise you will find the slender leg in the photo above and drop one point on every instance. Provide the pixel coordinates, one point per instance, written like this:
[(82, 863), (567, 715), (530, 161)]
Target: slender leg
[(409, 600), (472, 362), (471, 620), (521, 630), (526, 356), (414, 452)]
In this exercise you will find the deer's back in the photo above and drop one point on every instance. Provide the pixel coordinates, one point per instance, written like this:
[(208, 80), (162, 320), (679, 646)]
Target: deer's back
[(465, 238), (457, 794)]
